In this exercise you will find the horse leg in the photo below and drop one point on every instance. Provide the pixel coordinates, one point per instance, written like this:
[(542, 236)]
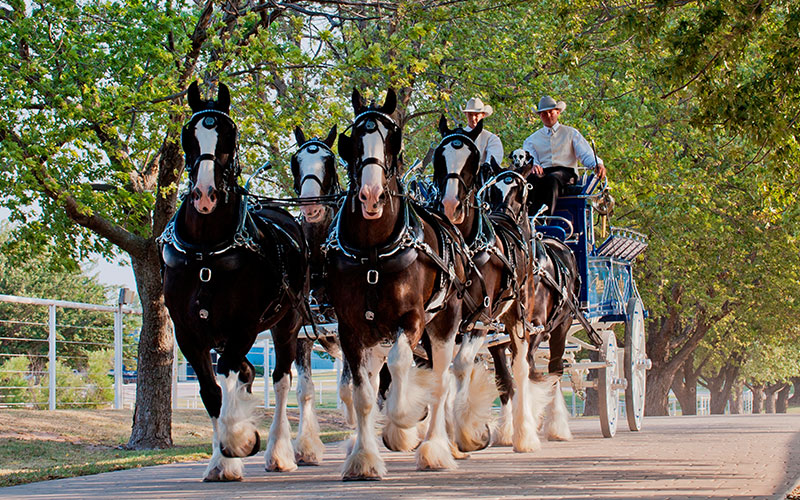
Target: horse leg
[(363, 460), (308, 447), (220, 468), (523, 438), (434, 452), (505, 385), (475, 392), (408, 396), (345, 390), (238, 433), (280, 454), (540, 387), (556, 420)]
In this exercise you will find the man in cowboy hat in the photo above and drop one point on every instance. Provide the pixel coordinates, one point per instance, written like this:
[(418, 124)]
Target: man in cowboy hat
[(556, 150), (488, 144)]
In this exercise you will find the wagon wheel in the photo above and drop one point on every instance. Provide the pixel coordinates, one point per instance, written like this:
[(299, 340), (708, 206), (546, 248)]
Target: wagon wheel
[(636, 364), (608, 385)]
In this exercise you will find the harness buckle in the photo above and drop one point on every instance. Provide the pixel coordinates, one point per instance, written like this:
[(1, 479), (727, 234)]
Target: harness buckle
[(372, 277), (205, 275)]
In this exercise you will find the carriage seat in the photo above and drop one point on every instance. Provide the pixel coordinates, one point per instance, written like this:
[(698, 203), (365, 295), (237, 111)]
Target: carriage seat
[(556, 232), (585, 185)]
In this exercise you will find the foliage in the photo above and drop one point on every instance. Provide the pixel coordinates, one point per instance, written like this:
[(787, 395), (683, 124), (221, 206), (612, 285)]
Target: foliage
[(15, 381)]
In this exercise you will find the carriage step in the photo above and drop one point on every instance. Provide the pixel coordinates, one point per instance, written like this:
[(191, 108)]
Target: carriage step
[(495, 326)]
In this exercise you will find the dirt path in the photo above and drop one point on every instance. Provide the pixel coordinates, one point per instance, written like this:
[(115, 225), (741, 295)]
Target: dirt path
[(744, 456)]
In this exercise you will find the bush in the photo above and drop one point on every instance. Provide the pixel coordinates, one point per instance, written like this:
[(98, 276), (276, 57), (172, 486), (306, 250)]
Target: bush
[(15, 384)]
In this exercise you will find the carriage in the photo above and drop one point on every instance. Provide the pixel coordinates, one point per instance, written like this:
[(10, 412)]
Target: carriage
[(608, 297)]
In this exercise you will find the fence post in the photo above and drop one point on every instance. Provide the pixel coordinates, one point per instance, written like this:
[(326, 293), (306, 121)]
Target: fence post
[(118, 355), (266, 372), (338, 365), (174, 370), (51, 355)]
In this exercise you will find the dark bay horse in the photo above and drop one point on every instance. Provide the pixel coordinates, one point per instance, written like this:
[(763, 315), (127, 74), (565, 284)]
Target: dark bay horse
[(552, 271), (316, 182), (230, 273), (394, 270)]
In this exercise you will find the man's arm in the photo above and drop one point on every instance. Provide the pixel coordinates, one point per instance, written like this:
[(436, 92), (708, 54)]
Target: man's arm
[(586, 155), (494, 149)]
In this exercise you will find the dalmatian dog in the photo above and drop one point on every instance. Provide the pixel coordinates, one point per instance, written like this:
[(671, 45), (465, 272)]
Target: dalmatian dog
[(519, 158)]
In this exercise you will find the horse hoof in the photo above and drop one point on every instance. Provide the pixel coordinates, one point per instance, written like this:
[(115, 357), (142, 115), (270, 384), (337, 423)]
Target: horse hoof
[(306, 463), (255, 449), (487, 440), (217, 475), (424, 415)]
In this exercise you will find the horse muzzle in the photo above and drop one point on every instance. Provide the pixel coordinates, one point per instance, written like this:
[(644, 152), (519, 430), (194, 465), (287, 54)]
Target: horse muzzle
[(204, 201)]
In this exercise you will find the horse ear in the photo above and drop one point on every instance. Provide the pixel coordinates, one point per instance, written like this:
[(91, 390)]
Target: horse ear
[(390, 104), (358, 102), (331, 137), (526, 170), (193, 96), (443, 128), (474, 133), (528, 157), (223, 98), (346, 148), (495, 166), (299, 136)]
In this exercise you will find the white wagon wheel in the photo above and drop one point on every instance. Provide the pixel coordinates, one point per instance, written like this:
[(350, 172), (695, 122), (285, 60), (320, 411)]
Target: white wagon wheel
[(636, 364), (608, 385)]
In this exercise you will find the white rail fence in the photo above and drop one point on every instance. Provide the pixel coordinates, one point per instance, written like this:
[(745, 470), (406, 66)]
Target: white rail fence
[(184, 391)]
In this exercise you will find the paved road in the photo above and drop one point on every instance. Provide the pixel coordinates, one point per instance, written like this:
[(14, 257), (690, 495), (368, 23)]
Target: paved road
[(741, 456)]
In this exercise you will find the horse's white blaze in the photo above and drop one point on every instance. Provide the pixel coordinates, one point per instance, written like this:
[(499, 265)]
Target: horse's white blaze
[(505, 189), (372, 175), (280, 454), (308, 447), (207, 140), (237, 416), (312, 164), (454, 159), (221, 468)]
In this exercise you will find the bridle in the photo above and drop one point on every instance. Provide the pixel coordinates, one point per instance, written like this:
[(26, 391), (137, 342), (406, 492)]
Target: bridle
[(313, 146), (458, 140), (231, 170), (368, 119), (503, 207)]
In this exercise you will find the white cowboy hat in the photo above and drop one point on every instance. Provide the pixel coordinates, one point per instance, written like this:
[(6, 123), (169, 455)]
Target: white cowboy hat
[(475, 105), (547, 103)]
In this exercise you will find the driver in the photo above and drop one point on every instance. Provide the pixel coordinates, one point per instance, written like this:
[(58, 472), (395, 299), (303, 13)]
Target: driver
[(556, 150), (488, 143)]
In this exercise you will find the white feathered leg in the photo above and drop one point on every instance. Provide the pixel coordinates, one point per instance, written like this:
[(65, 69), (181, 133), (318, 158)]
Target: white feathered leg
[(556, 423), (238, 434), (475, 392), (308, 447), (524, 438), (434, 453), (280, 454), (344, 387), (505, 426), (364, 461), (408, 398), (221, 468)]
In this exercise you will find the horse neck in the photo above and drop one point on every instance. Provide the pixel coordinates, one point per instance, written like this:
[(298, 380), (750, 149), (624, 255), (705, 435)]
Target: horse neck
[(316, 233), (216, 227), (469, 226), (359, 232)]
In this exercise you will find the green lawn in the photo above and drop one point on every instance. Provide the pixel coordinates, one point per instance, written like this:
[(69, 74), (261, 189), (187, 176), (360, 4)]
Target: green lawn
[(38, 445)]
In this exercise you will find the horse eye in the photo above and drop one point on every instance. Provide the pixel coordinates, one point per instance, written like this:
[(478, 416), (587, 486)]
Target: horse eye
[(370, 125), (457, 144), (209, 122), (313, 148)]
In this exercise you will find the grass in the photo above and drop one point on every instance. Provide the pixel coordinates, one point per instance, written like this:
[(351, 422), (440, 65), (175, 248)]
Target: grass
[(39, 445)]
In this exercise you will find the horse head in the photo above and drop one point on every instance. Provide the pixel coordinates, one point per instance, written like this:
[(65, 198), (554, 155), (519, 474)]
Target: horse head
[(209, 144), (372, 152), (314, 171), (455, 169), (508, 191)]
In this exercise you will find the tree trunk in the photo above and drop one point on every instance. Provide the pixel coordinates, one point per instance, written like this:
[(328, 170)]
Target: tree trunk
[(684, 385), (737, 399), (782, 404), (795, 400), (758, 397), (657, 396), (771, 392), (152, 418)]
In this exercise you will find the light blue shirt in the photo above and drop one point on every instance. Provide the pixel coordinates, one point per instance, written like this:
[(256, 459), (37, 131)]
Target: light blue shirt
[(560, 146)]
